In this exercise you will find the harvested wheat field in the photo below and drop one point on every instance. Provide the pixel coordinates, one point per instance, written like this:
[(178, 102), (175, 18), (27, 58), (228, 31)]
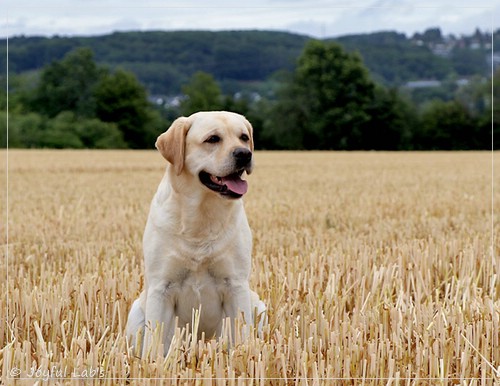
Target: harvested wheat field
[(377, 268)]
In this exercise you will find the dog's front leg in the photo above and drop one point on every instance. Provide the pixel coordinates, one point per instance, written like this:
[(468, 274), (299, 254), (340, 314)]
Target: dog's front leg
[(160, 313), (237, 300)]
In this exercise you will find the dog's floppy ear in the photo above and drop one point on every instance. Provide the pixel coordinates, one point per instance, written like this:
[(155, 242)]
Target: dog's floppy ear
[(172, 143), (250, 131)]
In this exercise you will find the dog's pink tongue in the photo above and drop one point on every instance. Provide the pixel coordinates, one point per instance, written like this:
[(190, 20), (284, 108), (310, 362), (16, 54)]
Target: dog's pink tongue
[(235, 184)]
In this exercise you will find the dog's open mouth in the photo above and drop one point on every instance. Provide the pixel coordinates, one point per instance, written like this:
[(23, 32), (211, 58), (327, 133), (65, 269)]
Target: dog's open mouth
[(231, 186)]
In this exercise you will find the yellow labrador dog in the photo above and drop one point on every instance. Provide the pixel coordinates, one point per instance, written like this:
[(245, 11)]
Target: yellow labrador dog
[(197, 243)]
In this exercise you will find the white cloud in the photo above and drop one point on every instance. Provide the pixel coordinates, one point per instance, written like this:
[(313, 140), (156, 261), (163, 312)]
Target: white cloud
[(319, 18)]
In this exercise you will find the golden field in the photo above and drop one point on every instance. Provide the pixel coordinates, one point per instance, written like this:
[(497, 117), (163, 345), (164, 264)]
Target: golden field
[(377, 268)]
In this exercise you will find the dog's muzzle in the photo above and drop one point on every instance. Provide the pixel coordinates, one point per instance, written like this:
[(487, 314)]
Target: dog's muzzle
[(231, 185)]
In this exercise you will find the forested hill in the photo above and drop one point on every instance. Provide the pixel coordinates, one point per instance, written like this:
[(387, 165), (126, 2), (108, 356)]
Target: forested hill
[(163, 61)]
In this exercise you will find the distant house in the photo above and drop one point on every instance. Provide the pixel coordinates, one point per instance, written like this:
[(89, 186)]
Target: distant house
[(433, 83), (442, 49), (166, 101), (422, 84)]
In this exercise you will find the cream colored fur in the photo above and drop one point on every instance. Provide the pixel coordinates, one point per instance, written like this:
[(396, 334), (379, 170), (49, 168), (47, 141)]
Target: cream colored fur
[(197, 243)]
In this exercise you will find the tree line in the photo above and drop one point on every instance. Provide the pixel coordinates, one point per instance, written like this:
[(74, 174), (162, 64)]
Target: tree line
[(74, 103), (327, 101), (163, 61)]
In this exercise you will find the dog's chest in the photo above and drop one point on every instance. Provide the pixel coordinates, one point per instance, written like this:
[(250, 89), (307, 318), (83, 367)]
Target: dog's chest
[(200, 290), (199, 254), (199, 283)]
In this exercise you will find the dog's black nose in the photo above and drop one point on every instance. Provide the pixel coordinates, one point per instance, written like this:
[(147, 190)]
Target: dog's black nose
[(242, 156)]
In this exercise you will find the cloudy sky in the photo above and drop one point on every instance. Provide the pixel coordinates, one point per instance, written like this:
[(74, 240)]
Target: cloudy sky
[(318, 18)]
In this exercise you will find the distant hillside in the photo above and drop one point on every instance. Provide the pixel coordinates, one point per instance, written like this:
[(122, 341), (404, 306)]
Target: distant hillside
[(395, 59), (163, 61)]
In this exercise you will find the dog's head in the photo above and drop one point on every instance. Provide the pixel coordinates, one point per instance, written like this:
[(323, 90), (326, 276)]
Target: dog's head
[(216, 147)]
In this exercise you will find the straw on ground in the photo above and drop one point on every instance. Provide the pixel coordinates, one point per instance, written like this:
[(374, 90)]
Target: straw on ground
[(376, 267)]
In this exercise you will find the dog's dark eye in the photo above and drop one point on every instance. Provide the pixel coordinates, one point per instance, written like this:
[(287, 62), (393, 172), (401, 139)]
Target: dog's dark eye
[(245, 138), (213, 139)]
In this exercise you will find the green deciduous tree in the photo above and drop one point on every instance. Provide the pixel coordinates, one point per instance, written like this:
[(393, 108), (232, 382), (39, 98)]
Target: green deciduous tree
[(88, 106), (494, 109), (69, 130), (392, 120), (337, 90), (325, 104), (25, 130), (66, 130), (67, 85), (202, 93), (447, 126), (121, 99)]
